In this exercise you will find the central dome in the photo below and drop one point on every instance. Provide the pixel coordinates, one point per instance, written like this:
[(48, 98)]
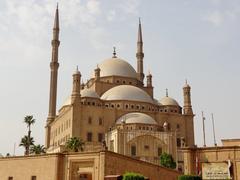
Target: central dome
[(116, 67), (127, 92), (132, 118)]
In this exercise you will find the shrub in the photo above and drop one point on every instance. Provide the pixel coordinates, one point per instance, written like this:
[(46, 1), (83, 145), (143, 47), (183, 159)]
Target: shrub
[(133, 176), (167, 161), (189, 177)]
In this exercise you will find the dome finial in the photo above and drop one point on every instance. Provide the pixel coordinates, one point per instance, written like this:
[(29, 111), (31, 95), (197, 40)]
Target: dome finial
[(167, 92), (186, 81), (114, 52)]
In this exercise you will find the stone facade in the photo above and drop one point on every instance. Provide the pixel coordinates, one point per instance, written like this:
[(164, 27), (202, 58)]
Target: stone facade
[(92, 165), (194, 157)]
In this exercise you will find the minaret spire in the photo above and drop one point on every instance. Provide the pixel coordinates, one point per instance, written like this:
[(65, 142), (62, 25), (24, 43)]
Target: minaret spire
[(53, 77), (140, 54), (166, 92), (54, 68)]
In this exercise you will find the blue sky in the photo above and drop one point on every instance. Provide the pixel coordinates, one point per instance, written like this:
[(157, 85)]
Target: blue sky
[(196, 40)]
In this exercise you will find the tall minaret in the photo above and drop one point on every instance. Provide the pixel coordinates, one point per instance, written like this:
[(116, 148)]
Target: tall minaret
[(54, 69), (53, 79), (140, 54), (187, 107)]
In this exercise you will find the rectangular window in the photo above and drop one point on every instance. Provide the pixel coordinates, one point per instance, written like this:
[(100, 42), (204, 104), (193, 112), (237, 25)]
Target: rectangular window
[(111, 145), (133, 150), (10, 178), (89, 137), (34, 178), (159, 151), (100, 137), (178, 142), (100, 121), (89, 120)]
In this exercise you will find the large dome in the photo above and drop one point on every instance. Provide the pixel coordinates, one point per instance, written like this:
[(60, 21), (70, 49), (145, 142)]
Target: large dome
[(127, 92), (140, 118), (167, 101), (116, 67)]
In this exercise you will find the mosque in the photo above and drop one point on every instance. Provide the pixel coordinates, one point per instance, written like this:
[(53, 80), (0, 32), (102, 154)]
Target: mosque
[(116, 110), (124, 128)]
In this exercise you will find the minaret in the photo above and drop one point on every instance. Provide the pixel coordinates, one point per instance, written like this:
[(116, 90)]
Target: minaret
[(97, 73), (53, 77), (149, 79), (140, 54), (187, 107), (54, 69), (76, 86)]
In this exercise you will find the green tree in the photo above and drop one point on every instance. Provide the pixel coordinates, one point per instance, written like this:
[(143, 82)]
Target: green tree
[(29, 120), (37, 149), (189, 177), (166, 160), (74, 144), (133, 176), (26, 143)]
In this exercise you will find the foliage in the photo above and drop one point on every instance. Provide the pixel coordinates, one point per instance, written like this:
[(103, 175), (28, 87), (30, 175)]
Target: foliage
[(29, 120), (26, 143), (133, 176), (37, 149), (167, 161), (189, 177), (74, 144)]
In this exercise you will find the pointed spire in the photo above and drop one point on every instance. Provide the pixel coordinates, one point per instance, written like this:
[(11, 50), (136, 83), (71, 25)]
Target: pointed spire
[(77, 71), (56, 20), (167, 92), (186, 84), (114, 52), (140, 32), (140, 54)]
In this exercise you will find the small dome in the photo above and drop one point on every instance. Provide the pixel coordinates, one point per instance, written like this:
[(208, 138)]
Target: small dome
[(127, 92), (167, 101), (116, 67), (139, 118), (156, 102), (89, 93), (67, 101), (165, 124), (84, 93)]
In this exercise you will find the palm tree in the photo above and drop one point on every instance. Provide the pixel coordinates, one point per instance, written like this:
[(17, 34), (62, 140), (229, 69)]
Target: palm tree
[(74, 144), (29, 120), (37, 149), (26, 143)]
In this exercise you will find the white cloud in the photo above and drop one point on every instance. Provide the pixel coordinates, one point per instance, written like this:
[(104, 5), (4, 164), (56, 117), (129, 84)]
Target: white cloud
[(216, 18), (130, 6), (94, 7), (111, 15)]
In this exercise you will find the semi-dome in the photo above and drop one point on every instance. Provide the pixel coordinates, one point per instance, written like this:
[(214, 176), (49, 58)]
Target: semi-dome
[(167, 101), (89, 93), (116, 67), (84, 93), (136, 117), (127, 92)]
